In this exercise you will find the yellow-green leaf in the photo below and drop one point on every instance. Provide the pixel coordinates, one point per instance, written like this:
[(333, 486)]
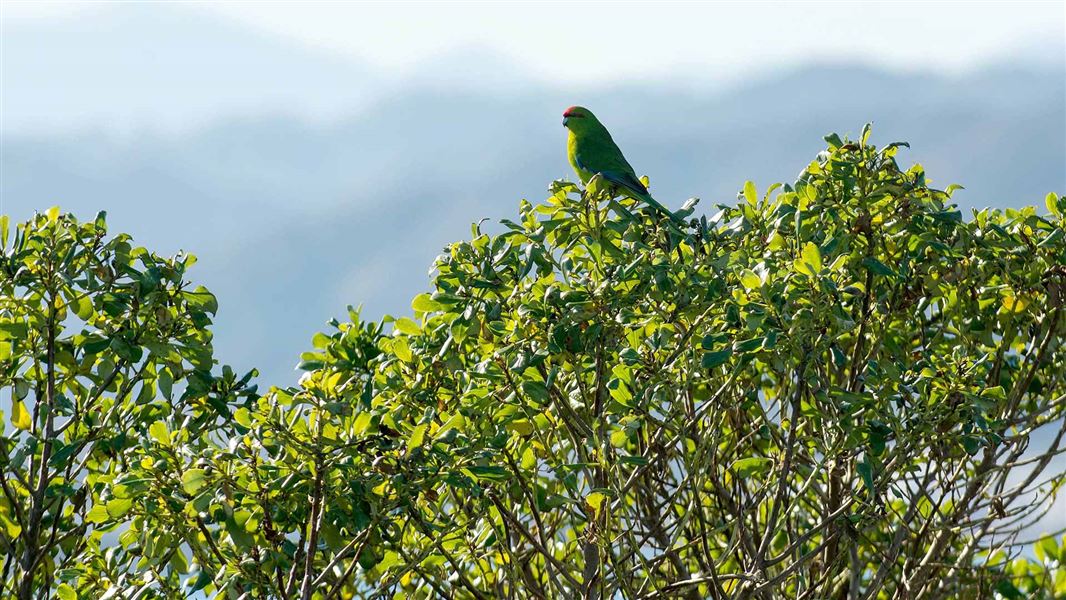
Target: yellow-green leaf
[(750, 194), (52, 213), (529, 459), (243, 417), (423, 303), (405, 325), (98, 514), (521, 427), (777, 242), (810, 260), (1052, 203), (1012, 302), (12, 528), (401, 349), (362, 423), (193, 480), (595, 501), (19, 416), (417, 435), (118, 507), (749, 279), (159, 432), (65, 592), (455, 422), (746, 467)]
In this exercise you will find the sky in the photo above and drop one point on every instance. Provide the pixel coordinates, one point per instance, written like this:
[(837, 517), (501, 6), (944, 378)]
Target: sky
[(596, 42)]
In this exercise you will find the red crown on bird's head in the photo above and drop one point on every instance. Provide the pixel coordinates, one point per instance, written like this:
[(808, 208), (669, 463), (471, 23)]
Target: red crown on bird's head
[(573, 111)]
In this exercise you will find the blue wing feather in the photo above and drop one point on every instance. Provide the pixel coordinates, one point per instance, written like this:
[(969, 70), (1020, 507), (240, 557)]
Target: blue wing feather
[(626, 180)]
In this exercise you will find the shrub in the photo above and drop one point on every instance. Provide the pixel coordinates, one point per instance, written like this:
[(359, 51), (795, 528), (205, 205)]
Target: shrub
[(827, 390), (98, 340), (839, 388)]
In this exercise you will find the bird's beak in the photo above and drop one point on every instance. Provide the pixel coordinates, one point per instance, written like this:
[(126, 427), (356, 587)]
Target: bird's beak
[(565, 119)]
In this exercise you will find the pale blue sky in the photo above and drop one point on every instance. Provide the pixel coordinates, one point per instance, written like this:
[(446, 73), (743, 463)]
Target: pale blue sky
[(603, 41)]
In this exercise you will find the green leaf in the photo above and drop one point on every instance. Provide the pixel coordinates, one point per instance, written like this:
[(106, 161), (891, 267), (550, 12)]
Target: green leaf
[(320, 340), (202, 581), (714, 359), (878, 267), (595, 500), (13, 330), (456, 421), (203, 299), (118, 507), (489, 473), (192, 480), (82, 306), (159, 432), (310, 364), (1047, 549), (165, 381), (746, 467), (362, 423), (12, 528), (865, 135), (1007, 589), (537, 391), (125, 350), (866, 472), (745, 346), (94, 344), (424, 303)]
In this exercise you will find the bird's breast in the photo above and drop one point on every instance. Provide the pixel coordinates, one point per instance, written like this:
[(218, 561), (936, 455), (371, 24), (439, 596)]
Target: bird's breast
[(573, 147)]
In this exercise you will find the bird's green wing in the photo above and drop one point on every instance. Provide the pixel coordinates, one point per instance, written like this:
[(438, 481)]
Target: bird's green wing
[(596, 152)]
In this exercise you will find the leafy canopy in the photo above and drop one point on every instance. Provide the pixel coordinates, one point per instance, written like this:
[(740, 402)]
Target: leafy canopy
[(829, 389)]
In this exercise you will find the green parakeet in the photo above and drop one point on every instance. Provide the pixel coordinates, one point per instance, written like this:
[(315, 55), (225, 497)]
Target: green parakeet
[(592, 152)]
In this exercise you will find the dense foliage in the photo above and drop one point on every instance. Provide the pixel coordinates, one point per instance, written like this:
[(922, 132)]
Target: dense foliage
[(98, 339), (839, 388)]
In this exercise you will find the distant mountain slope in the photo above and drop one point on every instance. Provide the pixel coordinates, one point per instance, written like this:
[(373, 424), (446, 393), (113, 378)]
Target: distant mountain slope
[(159, 65), (294, 220)]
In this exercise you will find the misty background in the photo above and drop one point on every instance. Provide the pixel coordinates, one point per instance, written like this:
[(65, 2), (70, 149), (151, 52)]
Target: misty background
[(319, 155)]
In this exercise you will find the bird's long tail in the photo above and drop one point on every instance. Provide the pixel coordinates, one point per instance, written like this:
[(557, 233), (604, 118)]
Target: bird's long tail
[(652, 202)]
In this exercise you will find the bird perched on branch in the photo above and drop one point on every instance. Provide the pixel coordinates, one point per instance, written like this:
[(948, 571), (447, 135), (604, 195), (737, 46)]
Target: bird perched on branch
[(592, 152)]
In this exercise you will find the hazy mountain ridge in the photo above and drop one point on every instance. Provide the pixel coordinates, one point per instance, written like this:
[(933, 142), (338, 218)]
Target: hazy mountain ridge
[(160, 66)]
